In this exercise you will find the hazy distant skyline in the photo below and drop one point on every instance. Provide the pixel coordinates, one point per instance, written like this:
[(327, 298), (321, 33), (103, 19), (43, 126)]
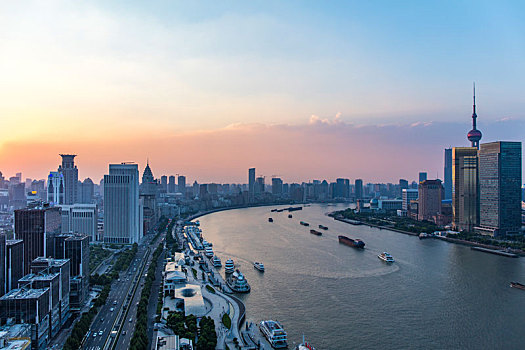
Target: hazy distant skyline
[(209, 89)]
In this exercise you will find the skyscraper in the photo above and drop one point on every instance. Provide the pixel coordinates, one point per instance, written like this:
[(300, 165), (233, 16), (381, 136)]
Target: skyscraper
[(70, 172), (447, 173), (465, 191), (86, 191), (499, 182), (251, 183), (181, 184), (122, 217), (474, 135), (55, 188), (277, 186), (358, 189), (422, 176), (171, 184), (429, 203), (164, 183), (33, 225)]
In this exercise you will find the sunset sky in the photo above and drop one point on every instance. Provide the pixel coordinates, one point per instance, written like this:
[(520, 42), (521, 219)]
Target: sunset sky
[(300, 89)]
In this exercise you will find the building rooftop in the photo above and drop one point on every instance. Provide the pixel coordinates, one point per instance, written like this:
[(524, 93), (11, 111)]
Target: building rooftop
[(39, 277), (51, 261), (23, 293)]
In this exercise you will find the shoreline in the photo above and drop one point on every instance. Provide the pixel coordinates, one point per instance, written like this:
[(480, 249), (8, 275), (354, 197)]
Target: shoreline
[(443, 238)]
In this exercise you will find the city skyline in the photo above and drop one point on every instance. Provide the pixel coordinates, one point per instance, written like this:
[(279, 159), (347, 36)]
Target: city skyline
[(190, 76)]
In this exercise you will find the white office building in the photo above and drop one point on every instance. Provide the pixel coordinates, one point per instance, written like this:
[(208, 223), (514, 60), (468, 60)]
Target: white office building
[(407, 195), (80, 218), (122, 207)]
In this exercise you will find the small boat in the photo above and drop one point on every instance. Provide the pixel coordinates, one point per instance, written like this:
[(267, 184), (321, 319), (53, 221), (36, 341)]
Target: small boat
[(270, 220), (304, 346), (259, 266), (216, 261), (517, 285), (289, 216), (208, 252), (304, 223), (317, 233), (229, 266), (323, 227), (386, 257)]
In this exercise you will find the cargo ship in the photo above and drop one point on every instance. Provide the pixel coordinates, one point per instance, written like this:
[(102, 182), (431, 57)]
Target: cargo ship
[(323, 227), (317, 233), (294, 208), (356, 243), (517, 285), (304, 223)]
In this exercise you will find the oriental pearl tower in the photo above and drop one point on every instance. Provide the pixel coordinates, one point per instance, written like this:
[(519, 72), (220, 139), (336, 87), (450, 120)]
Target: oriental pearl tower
[(474, 135)]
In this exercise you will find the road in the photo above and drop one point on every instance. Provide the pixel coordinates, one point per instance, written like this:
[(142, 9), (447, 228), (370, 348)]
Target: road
[(99, 335)]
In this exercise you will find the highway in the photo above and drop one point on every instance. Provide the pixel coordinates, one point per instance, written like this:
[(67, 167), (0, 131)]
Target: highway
[(98, 337)]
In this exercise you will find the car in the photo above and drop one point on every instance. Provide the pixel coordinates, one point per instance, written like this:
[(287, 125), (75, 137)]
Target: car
[(130, 320), (102, 319), (95, 335), (111, 310), (114, 302), (123, 332), (100, 332)]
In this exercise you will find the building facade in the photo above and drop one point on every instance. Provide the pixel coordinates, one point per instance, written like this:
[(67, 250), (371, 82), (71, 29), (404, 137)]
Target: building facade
[(500, 182), (465, 191), (447, 174), (70, 172), (80, 218), (429, 202)]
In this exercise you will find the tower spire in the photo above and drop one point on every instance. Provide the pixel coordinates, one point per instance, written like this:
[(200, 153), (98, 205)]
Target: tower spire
[(474, 135), (474, 98)]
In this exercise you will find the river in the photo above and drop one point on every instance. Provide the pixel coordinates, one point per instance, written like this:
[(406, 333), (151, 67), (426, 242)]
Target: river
[(436, 295)]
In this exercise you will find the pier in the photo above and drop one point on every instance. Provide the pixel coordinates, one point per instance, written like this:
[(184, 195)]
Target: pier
[(495, 251)]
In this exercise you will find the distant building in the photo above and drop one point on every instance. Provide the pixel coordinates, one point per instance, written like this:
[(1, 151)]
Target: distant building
[(407, 195), (80, 218), (70, 172), (259, 185), (403, 185), (86, 191), (429, 201), (172, 186), (122, 216), (465, 191), (251, 183), (499, 182), (164, 183), (358, 189), (181, 185), (389, 204), (2, 264), (148, 196), (422, 177), (14, 263), (277, 186), (448, 174), (32, 225), (55, 188)]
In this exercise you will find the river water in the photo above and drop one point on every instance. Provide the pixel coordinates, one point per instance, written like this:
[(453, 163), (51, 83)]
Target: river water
[(436, 295)]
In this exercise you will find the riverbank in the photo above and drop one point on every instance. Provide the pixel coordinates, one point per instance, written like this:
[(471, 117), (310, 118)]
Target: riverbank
[(354, 222)]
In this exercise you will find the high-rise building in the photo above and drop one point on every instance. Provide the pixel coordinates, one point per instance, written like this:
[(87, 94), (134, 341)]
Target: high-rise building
[(80, 218), (448, 174), (403, 185), (251, 183), (277, 186), (2, 263), (499, 183), (164, 183), (474, 135), (121, 204), (259, 185), (429, 202), (86, 191), (422, 176), (33, 225), (70, 172), (62, 267), (358, 189), (14, 263), (407, 195), (171, 184), (148, 197), (465, 189), (55, 188), (181, 184)]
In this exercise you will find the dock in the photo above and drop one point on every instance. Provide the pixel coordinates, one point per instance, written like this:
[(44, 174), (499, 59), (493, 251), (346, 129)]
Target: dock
[(495, 251)]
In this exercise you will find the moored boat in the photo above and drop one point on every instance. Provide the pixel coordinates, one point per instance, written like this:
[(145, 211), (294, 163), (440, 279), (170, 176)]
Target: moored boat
[(386, 257), (238, 283), (356, 243), (259, 266), (229, 266), (317, 233), (517, 285), (275, 333), (208, 252), (216, 261)]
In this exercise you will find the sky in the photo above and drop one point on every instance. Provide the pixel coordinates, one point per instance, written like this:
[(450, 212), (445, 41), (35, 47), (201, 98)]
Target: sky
[(299, 89)]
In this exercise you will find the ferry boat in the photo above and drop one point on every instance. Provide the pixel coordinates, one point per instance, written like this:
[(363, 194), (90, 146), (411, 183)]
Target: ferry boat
[(259, 266), (216, 261), (356, 243), (386, 257), (208, 252), (229, 266), (275, 333), (517, 285), (289, 216), (270, 220), (323, 227), (238, 283), (304, 223), (304, 346), (317, 233)]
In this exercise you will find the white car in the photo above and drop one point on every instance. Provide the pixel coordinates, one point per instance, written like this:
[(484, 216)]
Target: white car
[(100, 332)]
